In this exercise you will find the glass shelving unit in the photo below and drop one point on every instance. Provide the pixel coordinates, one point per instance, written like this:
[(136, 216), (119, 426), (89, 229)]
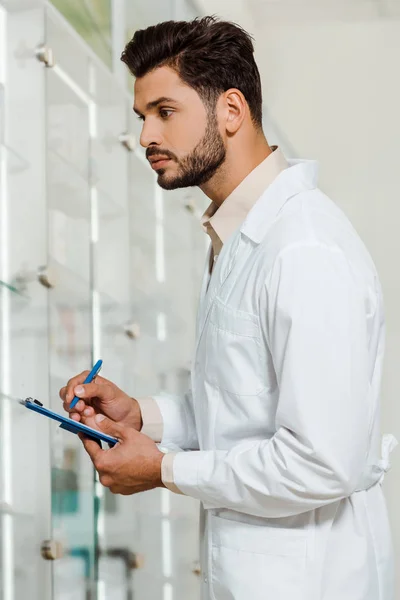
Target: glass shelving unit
[(92, 260)]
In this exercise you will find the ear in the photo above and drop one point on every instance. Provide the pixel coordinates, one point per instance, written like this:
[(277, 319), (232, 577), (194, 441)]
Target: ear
[(236, 109)]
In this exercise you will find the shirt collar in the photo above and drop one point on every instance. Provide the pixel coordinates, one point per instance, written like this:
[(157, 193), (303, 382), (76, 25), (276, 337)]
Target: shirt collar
[(300, 176), (221, 222)]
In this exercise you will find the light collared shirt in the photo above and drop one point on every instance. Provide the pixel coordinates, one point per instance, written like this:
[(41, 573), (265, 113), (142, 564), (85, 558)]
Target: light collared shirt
[(219, 223)]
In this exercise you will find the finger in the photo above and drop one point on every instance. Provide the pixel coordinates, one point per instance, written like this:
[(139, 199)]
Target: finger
[(100, 379), (93, 390), (106, 425), (91, 447), (72, 383), (62, 392), (89, 412), (80, 407)]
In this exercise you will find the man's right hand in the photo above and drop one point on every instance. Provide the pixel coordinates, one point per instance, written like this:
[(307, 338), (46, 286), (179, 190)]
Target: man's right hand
[(100, 396)]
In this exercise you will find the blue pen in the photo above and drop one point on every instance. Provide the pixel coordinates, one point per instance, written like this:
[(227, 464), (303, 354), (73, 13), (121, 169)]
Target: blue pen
[(89, 379)]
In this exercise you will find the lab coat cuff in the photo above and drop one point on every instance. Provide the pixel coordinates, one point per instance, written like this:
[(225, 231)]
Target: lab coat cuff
[(191, 475), (174, 420), (152, 419), (167, 473)]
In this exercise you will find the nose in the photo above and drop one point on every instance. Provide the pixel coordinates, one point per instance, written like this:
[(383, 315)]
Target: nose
[(150, 135)]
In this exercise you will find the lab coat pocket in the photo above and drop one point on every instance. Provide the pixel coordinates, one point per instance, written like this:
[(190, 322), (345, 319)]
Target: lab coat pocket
[(233, 358), (257, 562)]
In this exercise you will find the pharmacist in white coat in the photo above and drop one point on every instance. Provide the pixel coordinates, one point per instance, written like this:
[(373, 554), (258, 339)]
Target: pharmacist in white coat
[(285, 406), (279, 437)]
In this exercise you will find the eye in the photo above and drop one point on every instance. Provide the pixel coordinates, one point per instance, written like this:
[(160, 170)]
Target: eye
[(165, 113)]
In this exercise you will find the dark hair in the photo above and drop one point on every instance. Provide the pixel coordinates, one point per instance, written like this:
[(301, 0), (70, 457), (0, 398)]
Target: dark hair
[(211, 56)]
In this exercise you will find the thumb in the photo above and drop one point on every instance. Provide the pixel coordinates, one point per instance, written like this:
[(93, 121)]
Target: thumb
[(106, 425)]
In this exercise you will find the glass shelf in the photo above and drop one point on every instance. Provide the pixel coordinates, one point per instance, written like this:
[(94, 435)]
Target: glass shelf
[(108, 209), (69, 52), (7, 509), (17, 413), (111, 301), (111, 304), (13, 289), (14, 161), (8, 397), (82, 173)]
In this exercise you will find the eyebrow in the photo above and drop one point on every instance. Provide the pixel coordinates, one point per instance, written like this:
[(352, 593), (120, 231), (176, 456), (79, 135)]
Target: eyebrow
[(155, 103)]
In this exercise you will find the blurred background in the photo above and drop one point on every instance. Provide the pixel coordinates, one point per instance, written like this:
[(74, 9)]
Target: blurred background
[(97, 261)]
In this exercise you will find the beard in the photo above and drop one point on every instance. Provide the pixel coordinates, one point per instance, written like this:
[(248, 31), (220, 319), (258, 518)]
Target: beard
[(201, 164)]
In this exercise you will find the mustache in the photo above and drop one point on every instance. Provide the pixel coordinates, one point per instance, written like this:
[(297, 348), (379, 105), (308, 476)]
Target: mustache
[(160, 152)]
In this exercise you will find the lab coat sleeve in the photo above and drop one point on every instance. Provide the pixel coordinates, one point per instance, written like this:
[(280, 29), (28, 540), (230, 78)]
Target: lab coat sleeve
[(315, 328), (178, 423)]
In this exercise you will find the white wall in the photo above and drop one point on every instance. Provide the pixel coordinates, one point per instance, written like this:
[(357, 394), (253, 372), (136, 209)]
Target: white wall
[(334, 90)]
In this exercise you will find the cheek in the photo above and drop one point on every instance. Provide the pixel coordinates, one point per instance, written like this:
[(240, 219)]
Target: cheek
[(183, 135)]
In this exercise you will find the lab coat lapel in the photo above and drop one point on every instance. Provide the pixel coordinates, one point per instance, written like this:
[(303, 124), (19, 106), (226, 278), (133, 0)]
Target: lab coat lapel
[(203, 291), (299, 177), (212, 285)]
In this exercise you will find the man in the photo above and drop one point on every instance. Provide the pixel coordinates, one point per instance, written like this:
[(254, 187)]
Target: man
[(281, 426)]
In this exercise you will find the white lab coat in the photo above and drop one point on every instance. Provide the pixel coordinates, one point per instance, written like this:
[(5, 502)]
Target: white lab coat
[(284, 415)]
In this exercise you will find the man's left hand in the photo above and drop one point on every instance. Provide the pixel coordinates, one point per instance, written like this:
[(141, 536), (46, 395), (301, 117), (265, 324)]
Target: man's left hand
[(131, 466)]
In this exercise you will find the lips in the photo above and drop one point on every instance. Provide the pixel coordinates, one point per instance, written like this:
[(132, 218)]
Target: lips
[(158, 162)]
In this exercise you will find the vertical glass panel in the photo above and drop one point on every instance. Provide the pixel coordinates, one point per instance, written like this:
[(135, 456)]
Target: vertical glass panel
[(179, 276), (111, 261), (70, 55), (146, 246), (179, 523), (24, 468), (68, 125), (112, 276), (92, 21), (140, 15), (109, 156), (115, 328), (70, 323), (151, 540), (120, 548)]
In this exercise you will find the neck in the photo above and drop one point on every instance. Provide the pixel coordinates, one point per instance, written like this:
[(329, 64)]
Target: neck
[(237, 165)]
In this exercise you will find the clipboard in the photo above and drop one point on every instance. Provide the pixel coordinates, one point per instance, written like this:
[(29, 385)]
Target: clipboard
[(69, 424)]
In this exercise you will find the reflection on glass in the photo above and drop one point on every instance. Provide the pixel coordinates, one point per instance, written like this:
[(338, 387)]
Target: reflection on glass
[(65, 499), (110, 502), (73, 517)]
